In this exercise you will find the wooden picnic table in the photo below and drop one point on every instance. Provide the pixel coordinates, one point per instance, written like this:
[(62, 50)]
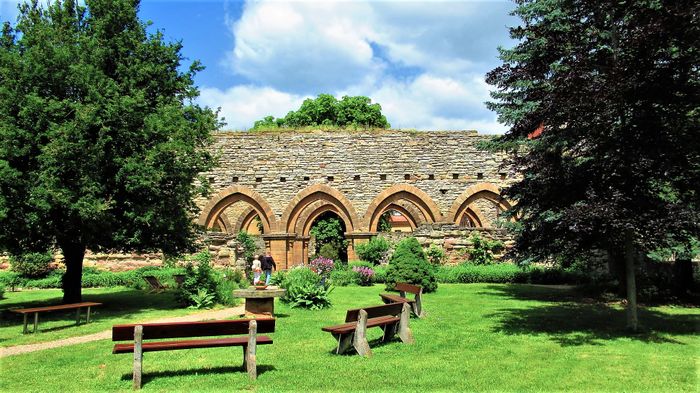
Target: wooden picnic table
[(37, 310)]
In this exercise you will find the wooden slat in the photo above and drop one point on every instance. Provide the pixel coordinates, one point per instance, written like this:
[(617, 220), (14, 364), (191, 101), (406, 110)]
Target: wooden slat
[(402, 286), (374, 311), (396, 298), (191, 329), (54, 308), (191, 344), (350, 326)]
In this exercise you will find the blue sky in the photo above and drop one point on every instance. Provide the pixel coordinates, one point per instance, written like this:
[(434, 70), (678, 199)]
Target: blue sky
[(423, 61)]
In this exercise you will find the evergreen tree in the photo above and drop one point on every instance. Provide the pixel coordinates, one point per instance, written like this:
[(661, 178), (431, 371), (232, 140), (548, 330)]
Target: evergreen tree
[(602, 103), (100, 142)]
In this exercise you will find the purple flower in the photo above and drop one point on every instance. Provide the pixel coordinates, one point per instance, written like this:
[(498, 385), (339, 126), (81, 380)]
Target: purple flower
[(322, 266)]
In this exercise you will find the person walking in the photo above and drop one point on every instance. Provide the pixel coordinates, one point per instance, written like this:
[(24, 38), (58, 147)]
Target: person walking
[(257, 270), (268, 264)]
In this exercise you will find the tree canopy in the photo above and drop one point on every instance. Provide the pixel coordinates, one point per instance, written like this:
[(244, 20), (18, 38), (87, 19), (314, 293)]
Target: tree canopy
[(326, 110), (100, 141), (602, 103)]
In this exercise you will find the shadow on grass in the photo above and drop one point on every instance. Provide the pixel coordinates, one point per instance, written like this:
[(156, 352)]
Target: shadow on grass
[(570, 322), (150, 376), (373, 344), (127, 304)]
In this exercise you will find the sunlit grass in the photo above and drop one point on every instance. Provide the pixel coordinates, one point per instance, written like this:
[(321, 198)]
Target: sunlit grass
[(475, 337)]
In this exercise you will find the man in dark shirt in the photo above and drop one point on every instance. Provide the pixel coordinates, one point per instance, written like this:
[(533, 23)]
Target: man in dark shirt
[(267, 264)]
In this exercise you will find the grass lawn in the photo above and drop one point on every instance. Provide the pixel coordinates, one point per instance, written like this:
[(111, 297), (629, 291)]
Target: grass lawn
[(475, 337), (121, 305)]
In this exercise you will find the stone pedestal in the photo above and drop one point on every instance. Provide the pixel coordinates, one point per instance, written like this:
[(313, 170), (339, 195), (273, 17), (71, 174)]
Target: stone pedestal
[(259, 302)]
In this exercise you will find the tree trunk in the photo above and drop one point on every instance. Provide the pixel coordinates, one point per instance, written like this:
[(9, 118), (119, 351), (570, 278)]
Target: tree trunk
[(630, 256), (73, 255)]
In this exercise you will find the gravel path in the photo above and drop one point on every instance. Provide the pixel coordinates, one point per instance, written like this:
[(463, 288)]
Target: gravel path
[(202, 316)]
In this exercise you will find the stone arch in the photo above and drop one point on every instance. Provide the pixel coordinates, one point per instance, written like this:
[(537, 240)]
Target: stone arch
[(463, 203), (223, 223), (245, 219), (422, 201), (302, 227), (407, 210), (474, 214), (228, 196), (319, 192)]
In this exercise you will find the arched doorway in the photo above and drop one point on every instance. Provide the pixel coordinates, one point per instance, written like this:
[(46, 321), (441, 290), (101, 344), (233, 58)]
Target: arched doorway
[(479, 206), (327, 236)]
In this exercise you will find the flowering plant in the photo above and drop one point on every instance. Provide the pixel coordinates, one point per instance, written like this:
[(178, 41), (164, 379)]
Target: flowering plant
[(322, 266), (365, 274)]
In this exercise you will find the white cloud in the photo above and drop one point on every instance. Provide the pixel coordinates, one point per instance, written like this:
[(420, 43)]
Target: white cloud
[(241, 106), (424, 62)]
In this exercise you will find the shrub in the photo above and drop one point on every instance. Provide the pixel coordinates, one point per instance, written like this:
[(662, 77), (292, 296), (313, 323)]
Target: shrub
[(314, 297), (195, 279), (481, 251), (322, 266), (248, 243), (506, 273), (228, 280), (10, 280), (32, 264), (379, 274), (344, 277), (366, 274), (408, 264), (2, 291), (374, 251), (329, 251), (304, 289), (435, 254), (202, 299)]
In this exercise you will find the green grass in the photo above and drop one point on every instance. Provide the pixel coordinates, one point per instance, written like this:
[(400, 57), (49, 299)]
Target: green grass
[(121, 305), (475, 337)]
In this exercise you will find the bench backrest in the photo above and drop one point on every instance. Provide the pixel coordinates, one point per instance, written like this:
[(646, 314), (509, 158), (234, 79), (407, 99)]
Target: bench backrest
[(392, 309), (404, 287), (153, 281), (191, 329)]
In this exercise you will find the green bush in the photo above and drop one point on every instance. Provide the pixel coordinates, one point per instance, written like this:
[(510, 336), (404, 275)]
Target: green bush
[(466, 273), (228, 280), (201, 277), (2, 291), (409, 264), (481, 251), (330, 251), (380, 274), (305, 290), (32, 264), (373, 251), (10, 280), (202, 299), (344, 277), (435, 254)]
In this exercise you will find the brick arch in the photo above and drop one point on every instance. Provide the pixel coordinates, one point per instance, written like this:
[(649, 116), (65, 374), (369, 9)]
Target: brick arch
[(223, 223), (407, 210), (422, 201), (306, 218), (245, 219), (319, 192), (488, 191), (474, 215), (228, 196)]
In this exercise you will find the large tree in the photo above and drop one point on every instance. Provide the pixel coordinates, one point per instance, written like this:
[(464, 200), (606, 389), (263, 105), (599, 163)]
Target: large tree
[(326, 110), (602, 103), (100, 142)]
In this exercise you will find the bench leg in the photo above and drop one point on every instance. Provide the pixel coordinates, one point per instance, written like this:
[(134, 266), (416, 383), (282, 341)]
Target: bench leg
[(389, 331), (360, 338), (418, 306), (87, 320), (404, 331), (25, 331), (36, 321), (77, 316), (249, 351), (344, 342), (138, 356)]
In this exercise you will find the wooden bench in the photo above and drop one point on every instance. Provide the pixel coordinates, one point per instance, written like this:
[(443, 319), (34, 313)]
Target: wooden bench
[(148, 331), (415, 303), (37, 310), (392, 318), (154, 283)]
